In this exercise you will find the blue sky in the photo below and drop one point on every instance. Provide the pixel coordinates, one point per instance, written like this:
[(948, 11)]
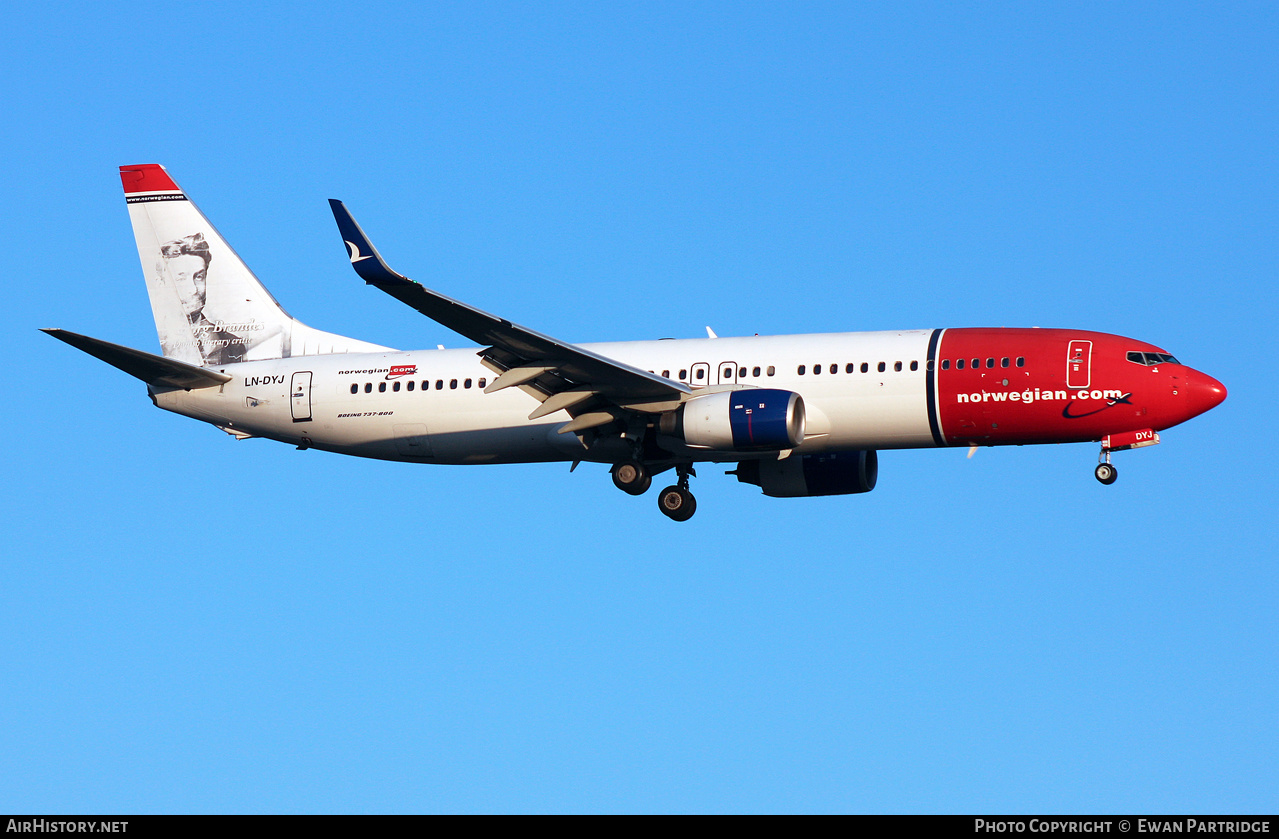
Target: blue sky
[(996, 634)]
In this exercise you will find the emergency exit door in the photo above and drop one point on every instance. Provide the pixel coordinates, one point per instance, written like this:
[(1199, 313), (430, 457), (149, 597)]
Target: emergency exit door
[(300, 396), (1079, 364)]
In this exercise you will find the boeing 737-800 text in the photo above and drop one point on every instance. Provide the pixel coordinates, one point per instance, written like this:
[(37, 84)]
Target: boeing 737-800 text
[(799, 415)]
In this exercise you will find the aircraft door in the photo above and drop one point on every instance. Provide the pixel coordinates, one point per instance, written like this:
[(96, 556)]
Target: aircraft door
[(300, 396), (1079, 364), (727, 373)]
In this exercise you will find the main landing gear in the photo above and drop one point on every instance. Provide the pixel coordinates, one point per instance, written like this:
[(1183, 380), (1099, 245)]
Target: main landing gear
[(632, 478), (676, 502)]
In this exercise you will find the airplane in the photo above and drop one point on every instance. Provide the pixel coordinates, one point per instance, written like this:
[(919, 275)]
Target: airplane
[(796, 415)]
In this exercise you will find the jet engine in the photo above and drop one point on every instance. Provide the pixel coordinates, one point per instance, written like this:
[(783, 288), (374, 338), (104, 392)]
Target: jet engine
[(751, 419), (801, 476)]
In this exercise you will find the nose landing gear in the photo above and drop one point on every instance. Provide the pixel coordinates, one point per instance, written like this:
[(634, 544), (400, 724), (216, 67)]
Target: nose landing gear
[(676, 502), (1119, 442), (1105, 472)]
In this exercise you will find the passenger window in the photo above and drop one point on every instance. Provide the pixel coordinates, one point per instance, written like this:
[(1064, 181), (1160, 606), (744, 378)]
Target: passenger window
[(1003, 362), (452, 384), (381, 387), (368, 387), (396, 387), (897, 366), (771, 370), (467, 384), (409, 387), (945, 364), (683, 374), (701, 373), (976, 363), (481, 383), (1021, 361), (742, 373), (834, 368), (801, 369), (914, 365), (882, 366), (755, 373), (355, 388), (666, 374), (439, 384), (990, 363), (849, 368), (959, 364), (817, 369)]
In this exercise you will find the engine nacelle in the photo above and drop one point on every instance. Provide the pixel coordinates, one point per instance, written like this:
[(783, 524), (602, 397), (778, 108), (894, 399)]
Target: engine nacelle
[(751, 419), (803, 476)]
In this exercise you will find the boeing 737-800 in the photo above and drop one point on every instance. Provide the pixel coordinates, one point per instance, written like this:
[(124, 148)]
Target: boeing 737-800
[(798, 415)]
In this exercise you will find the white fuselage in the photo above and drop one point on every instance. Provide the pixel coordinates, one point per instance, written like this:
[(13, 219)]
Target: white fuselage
[(350, 403)]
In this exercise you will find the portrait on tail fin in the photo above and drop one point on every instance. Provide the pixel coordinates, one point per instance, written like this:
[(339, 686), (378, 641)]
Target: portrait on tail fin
[(184, 266), (209, 308)]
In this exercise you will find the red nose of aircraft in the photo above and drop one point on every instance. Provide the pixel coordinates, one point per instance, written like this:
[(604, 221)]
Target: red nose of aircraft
[(1203, 393)]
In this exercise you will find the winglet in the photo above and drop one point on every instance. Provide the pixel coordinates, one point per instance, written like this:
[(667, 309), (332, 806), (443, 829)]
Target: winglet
[(365, 259)]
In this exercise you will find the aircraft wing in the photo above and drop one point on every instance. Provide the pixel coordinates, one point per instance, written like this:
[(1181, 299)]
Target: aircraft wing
[(152, 369), (591, 387)]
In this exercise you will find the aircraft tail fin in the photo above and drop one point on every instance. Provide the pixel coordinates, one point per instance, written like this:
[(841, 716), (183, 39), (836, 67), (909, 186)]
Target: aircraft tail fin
[(209, 307)]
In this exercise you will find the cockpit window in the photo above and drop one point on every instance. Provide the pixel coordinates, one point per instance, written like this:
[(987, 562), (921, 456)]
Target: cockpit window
[(1150, 359)]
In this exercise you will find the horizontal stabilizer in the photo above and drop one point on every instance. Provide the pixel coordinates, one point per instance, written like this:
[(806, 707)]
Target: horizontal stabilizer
[(152, 369)]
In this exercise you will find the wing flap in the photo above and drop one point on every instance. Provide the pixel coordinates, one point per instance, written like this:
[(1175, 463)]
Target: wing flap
[(562, 401), (586, 421), (519, 375)]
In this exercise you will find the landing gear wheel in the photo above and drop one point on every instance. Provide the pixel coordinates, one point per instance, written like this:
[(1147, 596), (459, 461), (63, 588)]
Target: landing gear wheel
[(1106, 473), (632, 478), (677, 503)]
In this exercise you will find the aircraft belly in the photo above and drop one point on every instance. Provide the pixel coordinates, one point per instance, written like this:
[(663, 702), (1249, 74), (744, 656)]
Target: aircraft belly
[(510, 444), (438, 432)]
